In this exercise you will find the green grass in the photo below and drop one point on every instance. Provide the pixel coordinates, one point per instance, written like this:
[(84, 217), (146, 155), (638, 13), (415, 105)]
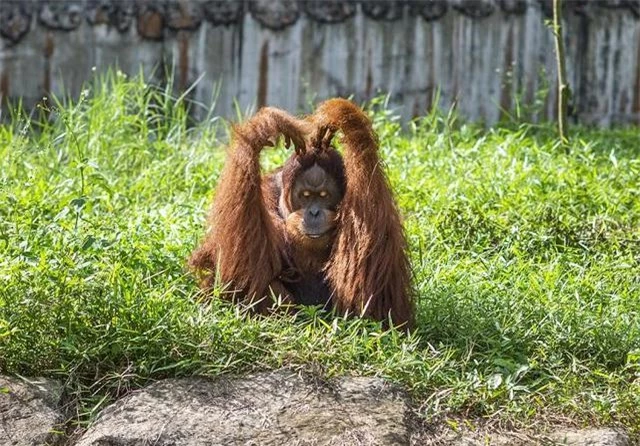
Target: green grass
[(526, 263)]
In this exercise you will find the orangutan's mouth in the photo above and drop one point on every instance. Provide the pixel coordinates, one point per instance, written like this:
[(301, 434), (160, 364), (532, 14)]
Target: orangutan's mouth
[(317, 235)]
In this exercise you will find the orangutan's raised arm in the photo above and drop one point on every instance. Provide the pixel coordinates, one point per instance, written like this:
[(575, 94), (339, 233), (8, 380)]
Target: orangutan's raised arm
[(242, 246), (369, 269)]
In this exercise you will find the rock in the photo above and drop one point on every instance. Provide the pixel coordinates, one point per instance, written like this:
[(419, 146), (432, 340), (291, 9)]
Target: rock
[(274, 408), (29, 411), (560, 437), (591, 437)]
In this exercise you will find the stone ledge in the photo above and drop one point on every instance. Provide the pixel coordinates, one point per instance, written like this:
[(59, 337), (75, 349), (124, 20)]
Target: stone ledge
[(270, 408), (265, 409), (29, 411)]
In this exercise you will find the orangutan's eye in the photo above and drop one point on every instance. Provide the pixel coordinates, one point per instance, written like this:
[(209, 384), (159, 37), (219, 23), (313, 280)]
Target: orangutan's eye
[(323, 193), (306, 193)]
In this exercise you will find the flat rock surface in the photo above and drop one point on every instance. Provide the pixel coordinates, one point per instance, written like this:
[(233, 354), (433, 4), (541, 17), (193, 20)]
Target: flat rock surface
[(278, 408), (28, 411), (274, 408), (591, 437), (558, 437)]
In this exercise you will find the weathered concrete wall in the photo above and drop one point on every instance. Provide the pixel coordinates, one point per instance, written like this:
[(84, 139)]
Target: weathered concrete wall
[(482, 55)]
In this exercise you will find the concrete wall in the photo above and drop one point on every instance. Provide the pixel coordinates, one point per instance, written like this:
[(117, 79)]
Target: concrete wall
[(482, 55)]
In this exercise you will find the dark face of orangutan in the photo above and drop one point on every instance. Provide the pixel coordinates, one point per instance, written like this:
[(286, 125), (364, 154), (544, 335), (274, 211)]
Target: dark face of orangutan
[(314, 198)]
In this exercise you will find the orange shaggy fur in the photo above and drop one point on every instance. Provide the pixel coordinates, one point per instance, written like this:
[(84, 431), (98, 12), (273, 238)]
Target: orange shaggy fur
[(366, 266)]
